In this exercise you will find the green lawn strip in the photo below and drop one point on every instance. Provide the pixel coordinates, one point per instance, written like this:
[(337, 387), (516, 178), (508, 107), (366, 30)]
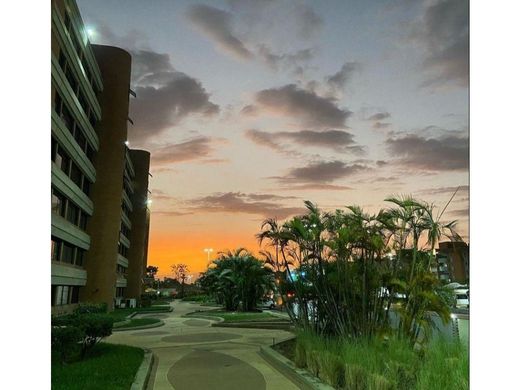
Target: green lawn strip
[(121, 314), (138, 322), (240, 317), (107, 366)]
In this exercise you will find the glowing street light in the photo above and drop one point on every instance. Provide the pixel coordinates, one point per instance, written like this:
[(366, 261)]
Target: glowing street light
[(208, 251), (91, 32), (148, 202)]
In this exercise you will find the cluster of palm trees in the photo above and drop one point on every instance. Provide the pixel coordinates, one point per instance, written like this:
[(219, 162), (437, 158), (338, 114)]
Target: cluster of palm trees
[(346, 271), (237, 280)]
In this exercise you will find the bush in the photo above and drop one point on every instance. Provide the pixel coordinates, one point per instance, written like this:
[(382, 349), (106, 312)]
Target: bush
[(404, 374), (313, 362), (65, 341), (95, 326), (88, 307), (379, 382), (300, 354), (355, 377), (332, 369), (146, 300)]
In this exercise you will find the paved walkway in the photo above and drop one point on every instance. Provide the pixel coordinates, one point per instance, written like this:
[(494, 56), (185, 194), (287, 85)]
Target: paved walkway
[(193, 355)]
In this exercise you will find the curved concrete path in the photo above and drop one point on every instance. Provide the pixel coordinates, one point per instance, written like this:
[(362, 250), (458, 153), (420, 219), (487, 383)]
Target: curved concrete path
[(190, 354)]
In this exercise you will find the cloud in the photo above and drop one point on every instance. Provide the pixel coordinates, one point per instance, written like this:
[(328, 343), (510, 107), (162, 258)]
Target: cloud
[(160, 107), (337, 140), (447, 153), (216, 24), (444, 32), (379, 116), (306, 106), (321, 172), (193, 149), (314, 187), (381, 125), (339, 80), (294, 61), (444, 190), (464, 213), (265, 205), (169, 213)]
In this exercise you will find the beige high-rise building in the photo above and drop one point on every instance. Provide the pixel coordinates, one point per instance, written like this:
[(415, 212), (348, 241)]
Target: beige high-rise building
[(100, 218)]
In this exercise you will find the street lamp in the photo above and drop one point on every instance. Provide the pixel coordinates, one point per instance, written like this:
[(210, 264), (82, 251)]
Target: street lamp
[(208, 251)]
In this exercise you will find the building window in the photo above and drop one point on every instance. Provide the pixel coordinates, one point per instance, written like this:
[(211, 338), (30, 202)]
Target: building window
[(120, 292), (64, 295), (67, 254), (75, 175), (57, 203), (73, 213), (55, 249), (86, 186), (80, 257), (83, 217)]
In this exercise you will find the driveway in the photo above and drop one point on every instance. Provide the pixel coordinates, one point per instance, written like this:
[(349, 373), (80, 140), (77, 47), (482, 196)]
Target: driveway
[(190, 354)]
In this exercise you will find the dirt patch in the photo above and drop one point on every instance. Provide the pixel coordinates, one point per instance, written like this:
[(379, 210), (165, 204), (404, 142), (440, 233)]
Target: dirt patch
[(286, 348)]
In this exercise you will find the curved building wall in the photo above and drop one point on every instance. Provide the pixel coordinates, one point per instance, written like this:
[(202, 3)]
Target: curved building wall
[(104, 225), (140, 224)]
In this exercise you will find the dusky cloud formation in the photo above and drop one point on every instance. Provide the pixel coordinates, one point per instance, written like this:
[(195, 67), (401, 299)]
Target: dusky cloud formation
[(338, 81), (306, 106), (444, 32), (294, 61), (265, 205), (447, 153), (321, 172), (336, 140), (216, 24), (164, 96), (192, 149)]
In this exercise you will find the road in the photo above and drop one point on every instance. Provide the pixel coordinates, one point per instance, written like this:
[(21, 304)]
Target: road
[(190, 354)]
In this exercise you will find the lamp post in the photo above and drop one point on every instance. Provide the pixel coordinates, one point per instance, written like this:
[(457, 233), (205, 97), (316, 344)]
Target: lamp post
[(208, 251)]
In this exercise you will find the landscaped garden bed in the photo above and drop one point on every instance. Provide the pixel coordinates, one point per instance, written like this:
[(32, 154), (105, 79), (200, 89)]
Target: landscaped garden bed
[(137, 323), (106, 366), (230, 316), (379, 364)]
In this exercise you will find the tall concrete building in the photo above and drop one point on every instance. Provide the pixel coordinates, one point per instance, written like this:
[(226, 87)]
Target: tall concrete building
[(97, 195)]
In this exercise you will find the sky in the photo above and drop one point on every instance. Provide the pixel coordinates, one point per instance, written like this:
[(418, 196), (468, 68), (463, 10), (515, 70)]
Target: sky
[(250, 107)]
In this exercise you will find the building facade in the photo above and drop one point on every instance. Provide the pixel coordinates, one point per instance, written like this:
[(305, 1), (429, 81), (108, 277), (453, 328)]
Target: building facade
[(92, 173), (453, 262)]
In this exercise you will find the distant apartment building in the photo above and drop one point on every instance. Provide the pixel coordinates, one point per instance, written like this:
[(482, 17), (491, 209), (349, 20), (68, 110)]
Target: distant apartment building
[(100, 218), (452, 262)]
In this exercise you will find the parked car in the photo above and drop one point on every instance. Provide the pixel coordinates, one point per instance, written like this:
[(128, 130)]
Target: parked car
[(267, 304)]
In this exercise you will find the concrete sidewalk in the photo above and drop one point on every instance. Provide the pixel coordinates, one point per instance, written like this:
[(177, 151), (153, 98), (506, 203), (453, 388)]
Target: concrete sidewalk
[(193, 355)]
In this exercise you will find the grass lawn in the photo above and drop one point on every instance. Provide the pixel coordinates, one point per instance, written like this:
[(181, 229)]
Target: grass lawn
[(107, 366), (121, 314), (138, 322), (241, 317)]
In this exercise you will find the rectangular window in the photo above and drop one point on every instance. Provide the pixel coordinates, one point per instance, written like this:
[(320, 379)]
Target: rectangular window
[(80, 138), (76, 175), (55, 249), (80, 257), (83, 220), (65, 295), (72, 213), (67, 254), (74, 298), (86, 186), (90, 153), (65, 161), (57, 203)]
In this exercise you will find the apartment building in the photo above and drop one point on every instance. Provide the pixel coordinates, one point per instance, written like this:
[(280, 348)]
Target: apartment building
[(94, 250)]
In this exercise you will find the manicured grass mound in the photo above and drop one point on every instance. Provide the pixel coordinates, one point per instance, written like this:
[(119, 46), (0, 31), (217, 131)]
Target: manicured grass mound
[(134, 322), (121, 314), (106, 366), (390, 364), (230, 316)]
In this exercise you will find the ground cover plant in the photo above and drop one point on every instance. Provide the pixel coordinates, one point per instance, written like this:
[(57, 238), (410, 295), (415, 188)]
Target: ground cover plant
[(134, 322), (241, 316), (106, 367)]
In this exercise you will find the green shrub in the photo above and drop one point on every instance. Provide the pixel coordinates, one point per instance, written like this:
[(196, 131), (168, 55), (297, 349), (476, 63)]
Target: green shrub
[(88, 307), (95, 326), (332, 369), (313, 362), (403, 374), (146, 300), (379, 382), (65, 341), (355, 377), (300, 354)]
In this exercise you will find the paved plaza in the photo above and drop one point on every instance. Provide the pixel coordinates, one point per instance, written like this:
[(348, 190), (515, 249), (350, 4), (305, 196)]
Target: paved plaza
[(190, 354)]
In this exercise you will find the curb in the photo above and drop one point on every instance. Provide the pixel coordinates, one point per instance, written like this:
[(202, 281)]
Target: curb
[(154, 325), (301, 378), (256, 325), (143, 373)]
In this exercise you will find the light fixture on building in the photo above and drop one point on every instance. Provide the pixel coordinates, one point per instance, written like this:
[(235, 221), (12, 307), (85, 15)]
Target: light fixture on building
[(127, 143), (148, 202), (91, 32)]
